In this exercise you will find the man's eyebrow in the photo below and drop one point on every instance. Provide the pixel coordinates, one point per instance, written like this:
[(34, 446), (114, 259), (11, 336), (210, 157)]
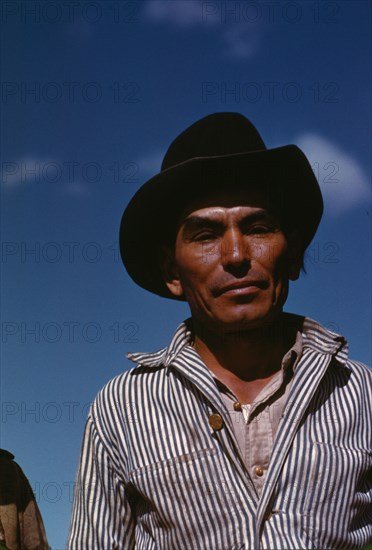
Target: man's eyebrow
[(260, 215), (195, 222)]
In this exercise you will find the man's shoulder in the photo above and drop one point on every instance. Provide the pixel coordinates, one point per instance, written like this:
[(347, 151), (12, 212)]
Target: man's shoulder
[(326, 340), (148, 365), (136, 384), (120, 402), (121, 381), (128, 385), (360, 370)]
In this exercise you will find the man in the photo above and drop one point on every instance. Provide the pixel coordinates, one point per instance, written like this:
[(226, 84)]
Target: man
[(252, 429)]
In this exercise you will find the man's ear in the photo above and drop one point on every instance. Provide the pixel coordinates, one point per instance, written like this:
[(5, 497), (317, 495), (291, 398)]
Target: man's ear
[(170, 271), (294, 271), (295, 256)]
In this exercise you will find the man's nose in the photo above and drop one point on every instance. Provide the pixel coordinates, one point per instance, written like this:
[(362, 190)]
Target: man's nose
[(234, 249)]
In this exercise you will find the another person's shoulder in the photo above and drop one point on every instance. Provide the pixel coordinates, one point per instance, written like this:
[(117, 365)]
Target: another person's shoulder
[(6, 456), (20, 519), (9, 467)]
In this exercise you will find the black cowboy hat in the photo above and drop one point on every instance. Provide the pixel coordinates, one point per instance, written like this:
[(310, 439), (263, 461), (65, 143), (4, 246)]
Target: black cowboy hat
[(222, 150)]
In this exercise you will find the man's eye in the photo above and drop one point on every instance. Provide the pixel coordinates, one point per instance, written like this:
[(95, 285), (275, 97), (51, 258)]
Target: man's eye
[(261, 229), (205, 236)]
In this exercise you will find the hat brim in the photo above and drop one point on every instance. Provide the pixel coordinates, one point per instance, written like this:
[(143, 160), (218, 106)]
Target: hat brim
[(152, 215)]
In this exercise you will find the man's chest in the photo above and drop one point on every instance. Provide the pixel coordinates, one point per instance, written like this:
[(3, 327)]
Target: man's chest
[(181, 465)]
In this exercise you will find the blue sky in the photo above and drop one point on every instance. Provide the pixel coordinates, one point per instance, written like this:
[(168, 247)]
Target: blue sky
[(91, 96)]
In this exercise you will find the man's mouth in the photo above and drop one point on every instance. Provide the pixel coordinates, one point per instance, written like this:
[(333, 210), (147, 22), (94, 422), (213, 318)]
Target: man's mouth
[(248, 286)]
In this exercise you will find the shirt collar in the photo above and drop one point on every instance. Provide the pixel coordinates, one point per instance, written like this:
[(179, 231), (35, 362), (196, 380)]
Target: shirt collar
[(182, 337), (323, 340), (312, 335)]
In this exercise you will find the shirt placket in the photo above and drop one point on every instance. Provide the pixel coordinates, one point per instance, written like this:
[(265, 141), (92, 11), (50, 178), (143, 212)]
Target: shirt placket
[(258, 444), (255, 424), (253, 429)]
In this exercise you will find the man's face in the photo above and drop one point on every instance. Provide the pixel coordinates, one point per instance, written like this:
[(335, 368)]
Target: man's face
[(231, 262)]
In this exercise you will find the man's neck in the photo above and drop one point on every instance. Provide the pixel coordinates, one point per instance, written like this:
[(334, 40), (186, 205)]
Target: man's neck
[(245, 361)]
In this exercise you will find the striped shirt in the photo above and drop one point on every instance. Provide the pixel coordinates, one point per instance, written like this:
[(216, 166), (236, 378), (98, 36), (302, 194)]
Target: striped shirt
[(161, 467)]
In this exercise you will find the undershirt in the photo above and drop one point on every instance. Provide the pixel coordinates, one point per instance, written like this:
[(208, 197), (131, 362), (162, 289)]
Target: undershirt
[(255, 424)]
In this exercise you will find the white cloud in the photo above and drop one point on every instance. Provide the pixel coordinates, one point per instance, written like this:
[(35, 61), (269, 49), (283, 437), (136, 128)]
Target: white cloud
[(240, 35), (28, 171), (343, 181), (76, 189), (242, 41), (150, 164), (180, 13)]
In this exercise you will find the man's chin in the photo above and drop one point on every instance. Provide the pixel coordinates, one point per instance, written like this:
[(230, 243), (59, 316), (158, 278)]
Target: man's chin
[(244, 323)]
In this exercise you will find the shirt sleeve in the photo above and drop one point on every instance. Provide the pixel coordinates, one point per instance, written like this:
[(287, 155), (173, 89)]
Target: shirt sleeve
[(102, 514)]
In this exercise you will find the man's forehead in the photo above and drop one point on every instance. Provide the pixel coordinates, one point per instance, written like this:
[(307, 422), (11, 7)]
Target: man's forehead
[(221, 213), (217, 203)]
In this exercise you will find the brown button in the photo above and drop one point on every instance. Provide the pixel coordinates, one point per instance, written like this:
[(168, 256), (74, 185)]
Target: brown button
[(215, 421), (237, 406), (258, 471)]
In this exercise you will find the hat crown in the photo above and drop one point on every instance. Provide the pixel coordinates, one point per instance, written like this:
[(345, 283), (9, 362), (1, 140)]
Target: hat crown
[(215, 135)]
